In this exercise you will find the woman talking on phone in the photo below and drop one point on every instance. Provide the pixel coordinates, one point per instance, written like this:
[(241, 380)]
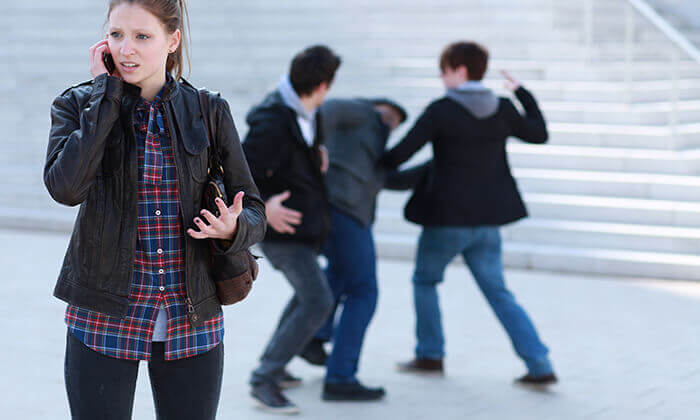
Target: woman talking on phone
[(131, 148)]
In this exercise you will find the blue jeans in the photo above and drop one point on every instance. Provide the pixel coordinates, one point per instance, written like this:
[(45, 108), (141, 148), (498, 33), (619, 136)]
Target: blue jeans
[(305, 313), (481, 249), (352, 276)]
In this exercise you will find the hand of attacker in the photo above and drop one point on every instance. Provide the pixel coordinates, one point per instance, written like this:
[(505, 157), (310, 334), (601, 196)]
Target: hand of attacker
[(282, 219)]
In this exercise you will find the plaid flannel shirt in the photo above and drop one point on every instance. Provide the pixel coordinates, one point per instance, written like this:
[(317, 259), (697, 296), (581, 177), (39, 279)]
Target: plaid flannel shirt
[(158, 277)]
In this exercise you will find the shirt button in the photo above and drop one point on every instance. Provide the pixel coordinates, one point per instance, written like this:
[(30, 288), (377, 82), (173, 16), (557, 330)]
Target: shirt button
[(161, 288), (160, 250), (161, 271), (157, 212)]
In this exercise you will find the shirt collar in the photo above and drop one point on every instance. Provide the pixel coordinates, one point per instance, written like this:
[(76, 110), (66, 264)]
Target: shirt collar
[(472, 85)]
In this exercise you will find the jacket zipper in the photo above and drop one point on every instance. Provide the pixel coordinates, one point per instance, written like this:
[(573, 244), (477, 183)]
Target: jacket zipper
[(190, 307)]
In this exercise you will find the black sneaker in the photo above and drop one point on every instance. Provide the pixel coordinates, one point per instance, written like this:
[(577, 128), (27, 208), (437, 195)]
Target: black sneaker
[(314, 353), (288, 381), (537, 381), (269, 397), (351, 392)]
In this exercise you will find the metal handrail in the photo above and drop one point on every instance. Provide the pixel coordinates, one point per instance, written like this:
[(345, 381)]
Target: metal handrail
[(671, 33)]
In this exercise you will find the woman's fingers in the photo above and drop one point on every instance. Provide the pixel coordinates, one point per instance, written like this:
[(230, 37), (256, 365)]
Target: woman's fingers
[(213, 221), (195, 234), (223, 210), (237, 206), (204, 229), (97, 66)]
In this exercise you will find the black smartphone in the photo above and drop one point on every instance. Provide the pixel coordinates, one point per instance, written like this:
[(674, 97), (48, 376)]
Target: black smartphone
[(109, 62)]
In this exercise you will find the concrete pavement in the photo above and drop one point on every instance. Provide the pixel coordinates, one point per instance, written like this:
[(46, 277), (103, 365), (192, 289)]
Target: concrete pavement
[(624, 349)]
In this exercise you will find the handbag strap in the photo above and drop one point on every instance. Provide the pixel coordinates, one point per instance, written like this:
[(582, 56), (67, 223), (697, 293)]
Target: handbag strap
[(210, 123)]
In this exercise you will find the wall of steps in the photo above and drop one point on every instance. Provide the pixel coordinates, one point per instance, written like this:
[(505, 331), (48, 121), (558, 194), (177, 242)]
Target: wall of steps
[(614, 193)]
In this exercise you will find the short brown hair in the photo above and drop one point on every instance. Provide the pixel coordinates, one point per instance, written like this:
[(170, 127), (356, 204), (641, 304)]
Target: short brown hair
[(471, 55)]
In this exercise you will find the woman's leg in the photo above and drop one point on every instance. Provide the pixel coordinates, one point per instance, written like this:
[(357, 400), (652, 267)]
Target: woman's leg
[(98, 386), (186, 388)]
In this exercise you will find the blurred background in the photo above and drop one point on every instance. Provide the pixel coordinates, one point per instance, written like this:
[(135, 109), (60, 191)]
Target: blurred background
[(614, 195)]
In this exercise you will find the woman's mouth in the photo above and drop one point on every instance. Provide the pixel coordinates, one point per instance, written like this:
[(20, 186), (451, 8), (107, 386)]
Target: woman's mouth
[(128, 67)]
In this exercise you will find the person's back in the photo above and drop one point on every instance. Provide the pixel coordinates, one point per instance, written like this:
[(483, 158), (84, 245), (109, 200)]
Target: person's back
[(355, 132), (471, 184), (465, 195)]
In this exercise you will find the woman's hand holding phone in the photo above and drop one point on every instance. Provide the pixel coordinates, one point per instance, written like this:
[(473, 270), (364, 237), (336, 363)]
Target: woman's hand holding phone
[(97, 63)]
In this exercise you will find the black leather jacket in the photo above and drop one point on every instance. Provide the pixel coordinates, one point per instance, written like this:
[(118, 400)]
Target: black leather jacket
[(92, 162)]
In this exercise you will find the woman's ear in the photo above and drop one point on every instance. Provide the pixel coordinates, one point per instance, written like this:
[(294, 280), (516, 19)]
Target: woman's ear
[(174, 41)]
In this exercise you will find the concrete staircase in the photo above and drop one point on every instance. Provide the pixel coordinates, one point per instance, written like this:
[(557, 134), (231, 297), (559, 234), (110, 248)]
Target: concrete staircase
[(614, 193)]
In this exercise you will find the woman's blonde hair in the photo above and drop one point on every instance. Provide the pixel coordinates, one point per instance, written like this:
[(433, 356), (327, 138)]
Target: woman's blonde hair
[(173, 14)]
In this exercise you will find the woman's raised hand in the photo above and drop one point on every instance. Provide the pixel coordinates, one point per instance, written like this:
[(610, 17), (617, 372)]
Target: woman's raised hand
[(222, 227), (97, 66)]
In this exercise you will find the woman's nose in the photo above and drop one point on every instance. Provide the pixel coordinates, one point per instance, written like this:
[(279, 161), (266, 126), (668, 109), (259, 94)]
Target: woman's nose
[(126, 48)]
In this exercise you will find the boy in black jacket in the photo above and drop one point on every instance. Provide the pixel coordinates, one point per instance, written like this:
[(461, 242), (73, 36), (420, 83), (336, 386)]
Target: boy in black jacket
[(467, 193), (287, 160)]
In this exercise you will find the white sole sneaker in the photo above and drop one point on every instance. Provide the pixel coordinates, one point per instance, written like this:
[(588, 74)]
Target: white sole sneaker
[(275, 410)]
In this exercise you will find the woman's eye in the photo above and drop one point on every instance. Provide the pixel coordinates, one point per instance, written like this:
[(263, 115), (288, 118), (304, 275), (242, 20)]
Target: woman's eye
[(142, 36), (115, 34)]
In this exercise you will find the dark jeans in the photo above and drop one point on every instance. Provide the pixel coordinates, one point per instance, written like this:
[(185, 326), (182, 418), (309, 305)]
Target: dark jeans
[(102, 388), (307, 310), (352, 275)]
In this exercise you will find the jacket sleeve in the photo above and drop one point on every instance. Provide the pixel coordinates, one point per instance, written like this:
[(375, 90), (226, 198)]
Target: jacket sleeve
[(530, 127), (423, 131), (237, 177), (406, 179), (77, 140), (266, 149)]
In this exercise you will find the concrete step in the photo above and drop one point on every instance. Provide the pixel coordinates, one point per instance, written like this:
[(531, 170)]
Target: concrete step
[(569, 259), (649, 186), (573, 233), (522, 155), (591, 208), (687, 136), (640, 114), (560, 68), (556, 90)]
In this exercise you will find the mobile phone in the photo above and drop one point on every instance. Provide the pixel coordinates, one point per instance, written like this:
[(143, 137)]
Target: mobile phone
[(109, 62)]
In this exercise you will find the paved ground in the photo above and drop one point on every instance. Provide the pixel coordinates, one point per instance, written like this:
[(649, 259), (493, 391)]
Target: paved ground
[(624, 349)]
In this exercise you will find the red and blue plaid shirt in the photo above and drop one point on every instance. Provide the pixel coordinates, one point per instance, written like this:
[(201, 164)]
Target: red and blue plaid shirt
[(158, 279)]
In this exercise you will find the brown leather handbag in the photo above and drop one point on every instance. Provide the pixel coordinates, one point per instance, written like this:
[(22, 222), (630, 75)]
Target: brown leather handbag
[(234, 275)]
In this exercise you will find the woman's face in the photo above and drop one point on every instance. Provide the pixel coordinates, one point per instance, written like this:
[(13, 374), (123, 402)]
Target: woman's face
[(139, 44)]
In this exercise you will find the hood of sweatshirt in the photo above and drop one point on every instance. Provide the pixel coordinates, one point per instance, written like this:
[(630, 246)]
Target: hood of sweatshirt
[(476, 98)]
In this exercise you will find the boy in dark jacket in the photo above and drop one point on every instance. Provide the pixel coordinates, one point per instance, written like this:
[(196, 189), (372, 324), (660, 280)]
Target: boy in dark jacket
[(467, 193), (284, 150)]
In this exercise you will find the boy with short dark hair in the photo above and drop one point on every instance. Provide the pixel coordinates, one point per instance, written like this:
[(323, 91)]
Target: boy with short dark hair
[(467, 193), (287, 160)]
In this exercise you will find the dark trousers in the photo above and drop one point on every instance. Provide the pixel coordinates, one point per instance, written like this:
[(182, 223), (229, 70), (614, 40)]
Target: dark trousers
[(102, 387), (352, 275), (306, 311)]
